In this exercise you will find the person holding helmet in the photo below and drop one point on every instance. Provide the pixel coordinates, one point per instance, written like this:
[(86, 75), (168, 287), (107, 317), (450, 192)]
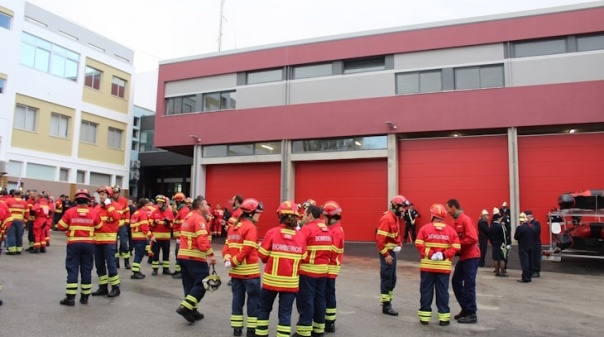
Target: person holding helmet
[(182, 210), (437, 244), (389, 243), (79, 223), (104, 244), (194, 255), (464, 276), (525, 235), (161, 222), (139, 225), (282, 250), (332, 214), (240, 253), (311, 302), (499, 244), (124, 235), (483, 236)]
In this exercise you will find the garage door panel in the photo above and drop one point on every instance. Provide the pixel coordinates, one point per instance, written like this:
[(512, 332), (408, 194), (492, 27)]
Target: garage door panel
[(261, 181), (472, 170), (553, 164), (359, 186)]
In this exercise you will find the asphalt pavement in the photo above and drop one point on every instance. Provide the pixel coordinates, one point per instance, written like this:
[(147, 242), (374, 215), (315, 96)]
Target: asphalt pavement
[(565, 301)]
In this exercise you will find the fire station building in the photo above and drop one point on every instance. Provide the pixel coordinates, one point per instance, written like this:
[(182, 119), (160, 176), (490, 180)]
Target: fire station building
[(485, 110)]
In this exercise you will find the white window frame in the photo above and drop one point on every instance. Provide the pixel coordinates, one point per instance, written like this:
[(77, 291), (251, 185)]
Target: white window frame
[(23, 118), (120, 84), (88, 132), (61, 129), (114, 138)]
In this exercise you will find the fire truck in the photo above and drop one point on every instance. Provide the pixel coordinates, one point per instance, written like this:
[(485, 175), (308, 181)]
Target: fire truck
[(577, 226)]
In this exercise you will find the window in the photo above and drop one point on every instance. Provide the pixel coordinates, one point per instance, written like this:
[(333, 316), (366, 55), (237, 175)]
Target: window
[(26, 118), (219, 101), (240, 149), (539, 47), (267, 148), (93, 78), (99, 179), (340, 144), (313, 70), (47, 57), (118, 87), (37, 171), (119, 180), (273, 75), (359, 66), (479, 77), (2, 85), (137, 122), (590, 42), (181, 105), (80, 177), (88, 132), (114, 138), (5, 20), (59, 125), (417, 82), (215, 151), (63, 174)]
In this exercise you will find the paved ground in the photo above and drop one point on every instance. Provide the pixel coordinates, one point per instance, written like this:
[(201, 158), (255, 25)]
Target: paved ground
[(565, 301)]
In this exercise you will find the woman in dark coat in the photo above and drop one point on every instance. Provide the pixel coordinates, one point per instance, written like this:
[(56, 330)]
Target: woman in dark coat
[(497, 236)]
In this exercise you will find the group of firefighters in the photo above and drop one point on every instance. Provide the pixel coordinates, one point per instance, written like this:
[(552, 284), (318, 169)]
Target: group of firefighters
[(302, 254)]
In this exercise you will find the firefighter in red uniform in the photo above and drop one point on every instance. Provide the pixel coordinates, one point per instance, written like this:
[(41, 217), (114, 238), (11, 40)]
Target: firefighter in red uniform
[(47, 227), (182, 210), (464, 276), (282, 250), (240, 254), (437, 244), (59, 204), (104, 244), (29, 224), (20, 213), (79, 224), (41, 213), (332, 213), (194, 255), (123, 251), (161, 221), (139, 225), (389, 242), (310, 301), (218, 220)]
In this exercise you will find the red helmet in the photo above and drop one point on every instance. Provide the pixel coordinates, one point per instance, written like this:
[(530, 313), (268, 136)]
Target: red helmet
[(288, 207), (331, 208), (438, 211), (179, 196), (251, 206), (106, 189), (308, 203), (82, 193), (399, 200)]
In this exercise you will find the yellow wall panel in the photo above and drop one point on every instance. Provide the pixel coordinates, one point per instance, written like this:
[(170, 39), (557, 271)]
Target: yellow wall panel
[(3, 76), (103, 97), (100, 151), (41, 140), (7, 11)]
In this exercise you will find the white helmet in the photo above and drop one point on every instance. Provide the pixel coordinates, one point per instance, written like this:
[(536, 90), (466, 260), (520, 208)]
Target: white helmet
[(212, 282)]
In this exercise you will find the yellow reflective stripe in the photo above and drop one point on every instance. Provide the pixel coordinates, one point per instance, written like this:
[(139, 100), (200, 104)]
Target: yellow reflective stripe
[(384, 250), (314, 268), (333, 269), (263, 251), (319, 248), (192, 253), (387, 234), (249, 243), (437, 245), (79, 238), (138, 235), (161, 235), (291, 283), (391, 245), (456, 245), (286, 255), (419, 242), (235, 245), (105, 236), (337, 250)]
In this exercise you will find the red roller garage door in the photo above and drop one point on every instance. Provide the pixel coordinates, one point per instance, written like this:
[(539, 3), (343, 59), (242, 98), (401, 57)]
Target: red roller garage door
[(359, 186), (553, 164), (473, 170), (261, 181)]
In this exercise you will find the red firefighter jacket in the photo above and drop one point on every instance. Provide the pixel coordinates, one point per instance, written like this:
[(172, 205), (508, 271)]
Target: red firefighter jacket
[(437, 237), (79, 223), (282, 251), (388, 233), (241, 247), (181, 214), (121, 204), (319, 243), (41, 212), (19, 209), (468, 236), (161, 223), (111, 218), (5, 218), (194, 243), (139, 225), (335, 264)]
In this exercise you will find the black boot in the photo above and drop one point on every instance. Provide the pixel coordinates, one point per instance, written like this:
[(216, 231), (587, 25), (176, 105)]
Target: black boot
[(251, 332), (117, 262), (115, 291), (102, 291), (137, 276), (127, 263), (470, 318), (387, 309), (84, 299), (43, 249), (154, 273), (166, 271), (176, 275), (330, 326), (461, 314), (186, 313), (198, 315), (69, 300)]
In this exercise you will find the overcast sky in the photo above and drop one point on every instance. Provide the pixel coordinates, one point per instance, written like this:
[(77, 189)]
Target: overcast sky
[(166, 29)]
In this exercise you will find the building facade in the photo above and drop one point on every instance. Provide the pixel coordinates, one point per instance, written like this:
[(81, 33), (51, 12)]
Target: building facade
[(486, 110), (65, 103)]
